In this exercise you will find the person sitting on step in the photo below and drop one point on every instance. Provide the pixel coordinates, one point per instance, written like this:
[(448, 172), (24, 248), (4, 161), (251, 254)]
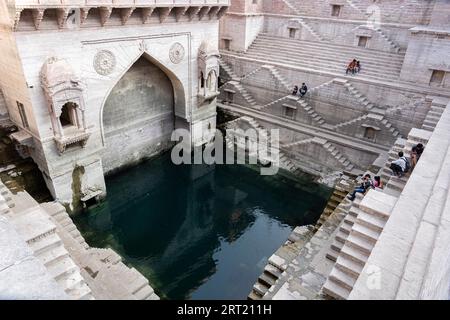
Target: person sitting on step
[(351, 67), (303, 90), (377, 183), (294, 92), (416, 152), (365, 185), (357, 66), (400, 166)]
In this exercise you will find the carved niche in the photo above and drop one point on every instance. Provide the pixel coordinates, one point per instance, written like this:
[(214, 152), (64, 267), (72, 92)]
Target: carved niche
[(208, 72), (64, 94)]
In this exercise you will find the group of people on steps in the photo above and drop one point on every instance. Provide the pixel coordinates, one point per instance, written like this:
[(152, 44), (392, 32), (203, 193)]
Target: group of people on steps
[(301, 92), (399, 167)]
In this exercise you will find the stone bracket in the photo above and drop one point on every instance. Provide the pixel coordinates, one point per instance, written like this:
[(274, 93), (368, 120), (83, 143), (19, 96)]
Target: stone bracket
[(193, 11), (38, 15), (105, 13), (164, 13), (179, 12), (213, 11), (84, 12), (146, 14), (203, 12), (62, 14), (125, 14)]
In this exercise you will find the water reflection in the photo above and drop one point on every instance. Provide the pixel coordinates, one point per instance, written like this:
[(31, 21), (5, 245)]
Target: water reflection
[(208, 237)]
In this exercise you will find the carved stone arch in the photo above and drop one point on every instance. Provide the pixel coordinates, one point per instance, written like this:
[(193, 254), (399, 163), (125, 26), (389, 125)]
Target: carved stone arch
[(180, 98)]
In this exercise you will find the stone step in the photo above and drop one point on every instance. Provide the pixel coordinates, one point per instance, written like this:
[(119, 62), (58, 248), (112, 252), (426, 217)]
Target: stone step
[(82, 292), (153, 297), (336, 245), (144, 293), (342, 279), (326, 60), (366, 233), (267, 279), (47, 243), (320, 66), (361, 244), (335, 291), (370, 221), (346, 229), (260, 289), (254, 296), (54, 255), (349, 266), (354, 255), (332, 255), (341, 236), (63, 268), (319, 46)]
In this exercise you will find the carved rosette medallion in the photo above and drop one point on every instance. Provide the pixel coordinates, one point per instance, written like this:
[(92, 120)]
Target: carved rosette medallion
[(104, 62), (176, 53)]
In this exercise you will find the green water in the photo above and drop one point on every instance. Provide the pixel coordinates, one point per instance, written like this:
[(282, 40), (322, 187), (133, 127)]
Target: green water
[(203, 238)]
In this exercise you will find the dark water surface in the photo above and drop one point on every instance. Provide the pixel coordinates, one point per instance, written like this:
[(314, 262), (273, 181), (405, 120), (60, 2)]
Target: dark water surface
[(203, 238)]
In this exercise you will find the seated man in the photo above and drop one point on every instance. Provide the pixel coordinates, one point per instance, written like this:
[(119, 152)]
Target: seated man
[(400, 166), (416, 152), (303, 90), (365, 185), (294, 92)]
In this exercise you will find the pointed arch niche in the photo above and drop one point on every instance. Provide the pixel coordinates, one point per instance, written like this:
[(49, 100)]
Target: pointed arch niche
[(139, 113)]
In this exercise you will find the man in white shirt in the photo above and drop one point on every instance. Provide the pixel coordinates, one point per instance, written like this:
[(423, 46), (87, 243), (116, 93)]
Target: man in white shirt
[(399, 166)]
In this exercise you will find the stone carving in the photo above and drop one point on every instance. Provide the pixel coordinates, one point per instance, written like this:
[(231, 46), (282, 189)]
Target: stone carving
[(176, 53), (104, 62)]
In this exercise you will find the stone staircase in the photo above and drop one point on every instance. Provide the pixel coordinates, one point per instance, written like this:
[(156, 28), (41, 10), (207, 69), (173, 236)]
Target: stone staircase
[(270, 104), (371, 116), (358, 95), (228, 70), (348, 210), (364, 223), (335, 153), (251, 73), (350, 122), (336, 200), (297, 143), (103, 269), (247, 96), (394, 46), (284, 161), (434, 114), (305, 274), (40, 234), (311, 112), (276, 74), (369, 220), (279, 261), (326, 57), (412, 252), (60, 215), (294, 8)]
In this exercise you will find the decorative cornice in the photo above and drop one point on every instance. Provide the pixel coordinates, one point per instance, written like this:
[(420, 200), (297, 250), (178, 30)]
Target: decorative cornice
[(215, 9)]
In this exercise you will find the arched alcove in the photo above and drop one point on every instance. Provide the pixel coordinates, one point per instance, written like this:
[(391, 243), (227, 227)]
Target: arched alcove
[(138, 115)]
